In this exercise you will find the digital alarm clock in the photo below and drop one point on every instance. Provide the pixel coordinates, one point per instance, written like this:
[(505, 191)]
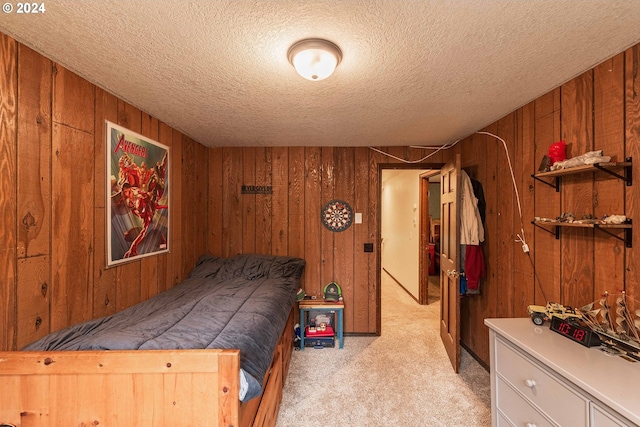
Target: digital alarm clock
[(577, 333)]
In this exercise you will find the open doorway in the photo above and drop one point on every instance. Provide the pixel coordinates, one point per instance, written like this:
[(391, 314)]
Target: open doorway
[(429, 286), (409, 234), (449, 303)]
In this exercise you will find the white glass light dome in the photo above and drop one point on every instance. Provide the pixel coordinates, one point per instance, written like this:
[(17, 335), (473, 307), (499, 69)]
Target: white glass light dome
[(315, 59)]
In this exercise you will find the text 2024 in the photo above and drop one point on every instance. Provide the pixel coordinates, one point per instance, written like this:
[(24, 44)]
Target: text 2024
[(30, 8)]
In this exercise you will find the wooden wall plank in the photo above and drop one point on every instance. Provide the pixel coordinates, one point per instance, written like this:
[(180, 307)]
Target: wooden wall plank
[(632, 149), (576, 245), (295, 218), (547, 203), (190, 222), (34, 278), (491, 246), (249, 205), (280, 201), (8, 197), (231, 197), (175, 198), (73, 100), (524, 166), (313, 229), (343, 250), (397, 153), (195, 171), (215, 202), (361, 260), (34, 153), (328, 168), (104, 280), (264, 202), (72, 224), (609, 194), (506, 206), (200, 226), (72, 211)]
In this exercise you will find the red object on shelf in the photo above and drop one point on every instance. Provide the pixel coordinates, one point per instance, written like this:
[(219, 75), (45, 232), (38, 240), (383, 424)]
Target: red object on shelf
[(328, 332), (557, 151)]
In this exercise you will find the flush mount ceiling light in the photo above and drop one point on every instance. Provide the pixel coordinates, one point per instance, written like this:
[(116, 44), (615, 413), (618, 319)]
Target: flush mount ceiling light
[(315, 59)]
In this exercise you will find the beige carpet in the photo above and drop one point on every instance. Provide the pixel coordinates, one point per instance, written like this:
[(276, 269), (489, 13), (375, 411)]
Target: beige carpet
[(402, 378)]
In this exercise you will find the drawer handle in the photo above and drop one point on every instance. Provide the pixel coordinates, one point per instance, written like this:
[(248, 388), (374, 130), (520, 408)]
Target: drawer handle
[(530, 384), (531, 425)]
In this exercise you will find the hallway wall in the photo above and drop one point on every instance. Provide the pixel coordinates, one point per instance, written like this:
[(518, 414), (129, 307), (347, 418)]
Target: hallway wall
[(400, 226)]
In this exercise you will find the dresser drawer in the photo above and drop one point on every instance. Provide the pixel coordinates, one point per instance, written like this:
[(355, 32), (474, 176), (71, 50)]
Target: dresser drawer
[(560, 403), (502, 421), (600, 417), (516, 409)]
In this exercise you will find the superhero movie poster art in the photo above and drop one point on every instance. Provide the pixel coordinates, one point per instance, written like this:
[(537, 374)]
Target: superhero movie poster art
[(138, 196)]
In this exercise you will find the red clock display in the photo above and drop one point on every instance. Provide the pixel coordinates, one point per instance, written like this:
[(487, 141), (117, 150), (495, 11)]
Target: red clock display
[(577, 333), (567, 329)]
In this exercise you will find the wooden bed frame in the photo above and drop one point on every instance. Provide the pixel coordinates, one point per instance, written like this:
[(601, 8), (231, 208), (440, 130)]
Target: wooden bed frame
[(137, 388)]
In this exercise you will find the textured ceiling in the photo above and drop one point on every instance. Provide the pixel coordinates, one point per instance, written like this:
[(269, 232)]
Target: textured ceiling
[(413, 72)]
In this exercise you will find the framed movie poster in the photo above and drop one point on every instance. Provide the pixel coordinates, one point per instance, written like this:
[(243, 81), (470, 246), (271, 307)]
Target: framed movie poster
[(137, 202)]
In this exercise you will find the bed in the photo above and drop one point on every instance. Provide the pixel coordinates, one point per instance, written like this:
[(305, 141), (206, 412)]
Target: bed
[(213, 350)]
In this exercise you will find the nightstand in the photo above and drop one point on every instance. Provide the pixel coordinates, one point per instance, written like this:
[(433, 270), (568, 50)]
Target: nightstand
[(336, 307)]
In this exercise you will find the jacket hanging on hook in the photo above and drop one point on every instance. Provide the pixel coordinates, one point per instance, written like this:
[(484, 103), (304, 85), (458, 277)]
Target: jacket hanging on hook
[(471, 235)]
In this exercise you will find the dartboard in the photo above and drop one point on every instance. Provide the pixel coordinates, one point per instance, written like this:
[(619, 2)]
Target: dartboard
[(337, 215)]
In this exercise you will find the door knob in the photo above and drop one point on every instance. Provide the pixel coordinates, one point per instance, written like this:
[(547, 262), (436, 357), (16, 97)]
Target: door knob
[(453, 274)]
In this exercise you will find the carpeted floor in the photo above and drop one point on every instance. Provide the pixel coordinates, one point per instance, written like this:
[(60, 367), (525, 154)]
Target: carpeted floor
[(402, 378)]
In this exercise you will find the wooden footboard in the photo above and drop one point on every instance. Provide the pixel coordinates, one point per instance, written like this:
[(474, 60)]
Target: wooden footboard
[(132, 388), (120, 388)]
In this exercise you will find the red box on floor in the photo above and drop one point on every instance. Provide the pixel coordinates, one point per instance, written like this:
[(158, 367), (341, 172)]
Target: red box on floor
[(328, 332)]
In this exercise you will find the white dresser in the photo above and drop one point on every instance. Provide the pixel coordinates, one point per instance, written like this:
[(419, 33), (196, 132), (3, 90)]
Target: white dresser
[(540, 378)]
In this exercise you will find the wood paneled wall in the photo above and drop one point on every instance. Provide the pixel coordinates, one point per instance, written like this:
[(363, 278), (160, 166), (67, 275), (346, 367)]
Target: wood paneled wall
[(52, 202), (287, 222), (598, 110)]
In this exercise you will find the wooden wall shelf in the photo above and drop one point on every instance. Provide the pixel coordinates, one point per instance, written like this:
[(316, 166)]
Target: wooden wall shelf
[(627, 227), (608, 167)]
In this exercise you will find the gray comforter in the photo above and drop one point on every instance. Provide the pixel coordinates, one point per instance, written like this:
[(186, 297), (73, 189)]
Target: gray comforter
[(236, 303)]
